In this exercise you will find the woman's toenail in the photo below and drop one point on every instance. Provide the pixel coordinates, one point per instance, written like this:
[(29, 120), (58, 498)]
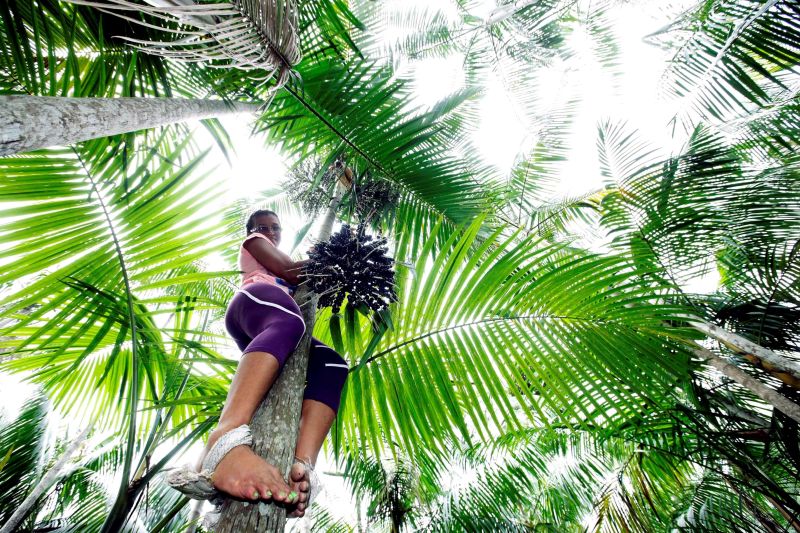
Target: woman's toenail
[(268, 495), (292, 496), (255, 495)]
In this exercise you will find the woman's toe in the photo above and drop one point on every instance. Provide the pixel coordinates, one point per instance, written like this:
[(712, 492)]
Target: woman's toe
[(264, 491), (250, 492)]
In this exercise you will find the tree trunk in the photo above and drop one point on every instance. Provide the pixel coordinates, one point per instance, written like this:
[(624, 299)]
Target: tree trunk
[(44, 484), (771, 396), (739, 344), (33, 122), (277, 420)]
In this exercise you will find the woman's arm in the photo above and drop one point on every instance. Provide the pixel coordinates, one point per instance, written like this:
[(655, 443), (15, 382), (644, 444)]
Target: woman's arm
[(274, 260)]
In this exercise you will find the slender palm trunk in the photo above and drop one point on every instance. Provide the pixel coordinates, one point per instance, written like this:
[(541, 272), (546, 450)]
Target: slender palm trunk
[(739, 344), (277, 420), (44, 484), (771, 396), (32, 122)]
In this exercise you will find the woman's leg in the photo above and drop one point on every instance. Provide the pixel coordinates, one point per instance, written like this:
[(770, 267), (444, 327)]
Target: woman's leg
[(241, 472), (327, 373), (268, 334)]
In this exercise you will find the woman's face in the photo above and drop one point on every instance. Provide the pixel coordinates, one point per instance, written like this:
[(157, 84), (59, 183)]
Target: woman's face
[(269, 226)]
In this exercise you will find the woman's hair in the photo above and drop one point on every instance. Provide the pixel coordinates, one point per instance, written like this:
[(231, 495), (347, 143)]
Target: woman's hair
[(251, 221)]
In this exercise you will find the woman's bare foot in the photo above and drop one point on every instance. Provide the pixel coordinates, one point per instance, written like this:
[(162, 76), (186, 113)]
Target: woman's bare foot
[(300, 483), (243, 474)]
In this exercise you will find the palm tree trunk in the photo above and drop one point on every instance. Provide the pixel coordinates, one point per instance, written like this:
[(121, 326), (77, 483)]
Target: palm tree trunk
[(44, 484), (33, 122), (772, 397), (741, 345), (277, 420)]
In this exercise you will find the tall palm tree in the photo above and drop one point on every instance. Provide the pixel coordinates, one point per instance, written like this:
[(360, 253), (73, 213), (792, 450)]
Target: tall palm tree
[(121, 176), (503, 336)]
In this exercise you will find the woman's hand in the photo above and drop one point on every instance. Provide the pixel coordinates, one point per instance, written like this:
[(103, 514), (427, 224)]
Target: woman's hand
[(275, 260)]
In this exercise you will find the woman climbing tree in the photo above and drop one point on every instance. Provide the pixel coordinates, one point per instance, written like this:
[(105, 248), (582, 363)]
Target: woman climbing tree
[(266, 324)]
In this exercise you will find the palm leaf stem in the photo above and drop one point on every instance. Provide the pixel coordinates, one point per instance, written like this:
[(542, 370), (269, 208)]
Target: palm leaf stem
[(474, 323), (45, 482), (333, 128), (296, 94), (777, 400), (134, 393)]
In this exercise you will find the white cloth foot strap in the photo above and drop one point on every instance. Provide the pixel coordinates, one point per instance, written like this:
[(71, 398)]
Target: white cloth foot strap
[(314, 481), (236, 437)]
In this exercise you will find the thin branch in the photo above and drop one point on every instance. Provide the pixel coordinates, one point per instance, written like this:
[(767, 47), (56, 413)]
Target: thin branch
[(47, 480), (475, 323)]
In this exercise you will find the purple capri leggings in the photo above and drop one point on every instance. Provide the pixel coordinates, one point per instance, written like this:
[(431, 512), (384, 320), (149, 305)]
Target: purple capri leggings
[(263, 318)]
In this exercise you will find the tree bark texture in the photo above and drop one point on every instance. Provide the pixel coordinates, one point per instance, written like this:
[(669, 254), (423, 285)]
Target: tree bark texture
[(739, 344), (276, 423), (32, 122), (772, 397), (274, 427)]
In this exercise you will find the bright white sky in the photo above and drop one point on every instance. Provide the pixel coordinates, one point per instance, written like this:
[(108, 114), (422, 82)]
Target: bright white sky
[(501, 136)]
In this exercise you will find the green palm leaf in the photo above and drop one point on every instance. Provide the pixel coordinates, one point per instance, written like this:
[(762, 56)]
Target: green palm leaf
[(83, 326), (734, 56), (363, 110), (23, 448), (567, 324)]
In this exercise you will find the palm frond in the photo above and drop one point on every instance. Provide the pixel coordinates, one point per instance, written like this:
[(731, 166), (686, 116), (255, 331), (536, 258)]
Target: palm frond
[(23, 444), (86, 329), (734, 57), (364, 111), (760, 291), (559, 318), (244, 34)]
